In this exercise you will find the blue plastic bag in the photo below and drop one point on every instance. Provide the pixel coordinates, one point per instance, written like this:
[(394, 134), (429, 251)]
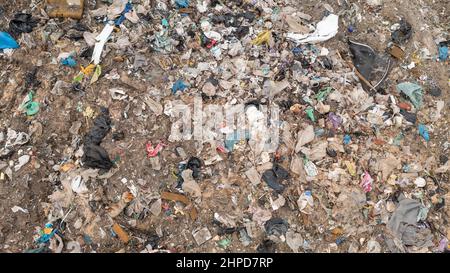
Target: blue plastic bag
[(182, 3), (69, 61), (423, 131), (128, 8), (164, 22), (443, 52), (179, 85), (7, 41), (347, 139)]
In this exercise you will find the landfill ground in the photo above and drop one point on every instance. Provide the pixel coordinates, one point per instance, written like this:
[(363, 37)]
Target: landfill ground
[(343, 216)]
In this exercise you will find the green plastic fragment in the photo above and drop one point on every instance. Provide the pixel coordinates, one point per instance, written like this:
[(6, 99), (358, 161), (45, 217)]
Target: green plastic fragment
[(32, 108), (97, 73), (164, 22), (224, 243), (78, 78), (323, 94), (310, 113), (29, 106), (413, 92)]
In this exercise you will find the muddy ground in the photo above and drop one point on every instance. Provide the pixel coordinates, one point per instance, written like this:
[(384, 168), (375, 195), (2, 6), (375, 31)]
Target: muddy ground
[(30, 187)]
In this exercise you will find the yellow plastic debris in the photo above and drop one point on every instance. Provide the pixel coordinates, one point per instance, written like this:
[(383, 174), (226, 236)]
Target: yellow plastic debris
[(350, 168), (48, 230), (262, 38), (88, 70), (67, 167)]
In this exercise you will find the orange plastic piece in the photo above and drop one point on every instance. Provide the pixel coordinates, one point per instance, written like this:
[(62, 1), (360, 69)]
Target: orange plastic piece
[(123, 236), (404, 106), (180, 198)]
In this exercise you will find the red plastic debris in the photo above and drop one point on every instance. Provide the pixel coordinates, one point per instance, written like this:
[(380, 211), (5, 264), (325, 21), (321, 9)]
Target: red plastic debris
[(152, 152), (221, 149), (366, 182), (211, 43)]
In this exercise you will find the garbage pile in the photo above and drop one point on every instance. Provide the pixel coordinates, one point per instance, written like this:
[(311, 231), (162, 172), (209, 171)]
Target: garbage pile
[(115, 134)]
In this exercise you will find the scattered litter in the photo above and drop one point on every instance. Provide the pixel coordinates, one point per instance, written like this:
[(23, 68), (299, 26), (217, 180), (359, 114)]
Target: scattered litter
[(404, 224), (373, 247), (310, 168), (372, 68), (201, 236), (347, 139), (118, 207), (117, 94), (180, 198), (420, 182), (69, 61), (152, 152), (224, 126), (263, 38), (325, 30), (402, 33), (294, 240), (253, 175), (17, 208), (22, 161), (397, 52), (306, 203), (224, 243)]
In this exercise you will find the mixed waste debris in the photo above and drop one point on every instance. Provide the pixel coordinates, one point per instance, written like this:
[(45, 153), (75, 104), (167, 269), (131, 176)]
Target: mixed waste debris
[(97, 154)]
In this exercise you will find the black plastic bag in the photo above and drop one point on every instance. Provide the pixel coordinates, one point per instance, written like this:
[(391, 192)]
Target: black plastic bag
[(94, 155), (372, 66), (402, 34), (194, 164), (363, 58), (274, 177), (410, 117), (22, 23), (276, 226), (102, 125)]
